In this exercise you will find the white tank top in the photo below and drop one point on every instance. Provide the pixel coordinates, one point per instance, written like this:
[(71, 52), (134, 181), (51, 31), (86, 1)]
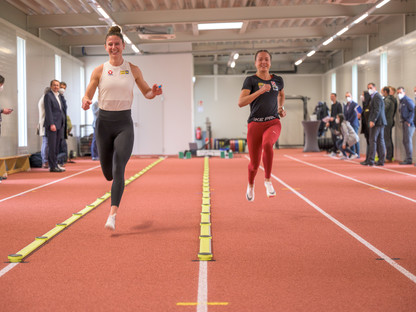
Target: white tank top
[(115, 88)]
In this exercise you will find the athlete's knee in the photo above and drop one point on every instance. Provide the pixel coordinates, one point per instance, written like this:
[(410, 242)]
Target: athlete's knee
[(268, 145), (108, 176)]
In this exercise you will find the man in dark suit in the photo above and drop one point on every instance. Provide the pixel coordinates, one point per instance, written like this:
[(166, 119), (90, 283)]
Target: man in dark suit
[(55, 121), (336, 108), (376, 122), (350, 114)]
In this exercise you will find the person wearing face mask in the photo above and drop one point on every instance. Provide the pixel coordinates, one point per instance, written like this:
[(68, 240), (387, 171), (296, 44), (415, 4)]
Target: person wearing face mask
[(376, 122), (350, 115), (365, 100), (336, 108), (5, 111), (63, 146), (349, 137), (407, 112), (389, 111), (55, 121)]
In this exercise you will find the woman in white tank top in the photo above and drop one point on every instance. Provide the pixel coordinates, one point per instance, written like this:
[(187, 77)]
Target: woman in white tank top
[(115, 80)]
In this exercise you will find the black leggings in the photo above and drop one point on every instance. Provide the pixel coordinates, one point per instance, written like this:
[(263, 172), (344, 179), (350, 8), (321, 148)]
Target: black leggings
[(115, 137)]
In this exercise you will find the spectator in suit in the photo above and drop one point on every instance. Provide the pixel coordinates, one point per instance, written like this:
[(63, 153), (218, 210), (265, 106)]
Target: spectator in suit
[(55, 121), (63, 146), (389, 111), (407, 112), (376, 122), (336, 108), (350, 115), (365, 100)]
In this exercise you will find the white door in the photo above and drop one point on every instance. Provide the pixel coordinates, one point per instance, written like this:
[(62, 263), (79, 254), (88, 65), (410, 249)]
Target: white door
[(148, 125)]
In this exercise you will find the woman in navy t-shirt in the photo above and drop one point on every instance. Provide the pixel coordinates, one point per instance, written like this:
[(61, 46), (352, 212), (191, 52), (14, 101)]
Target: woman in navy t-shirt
[(264, 92)]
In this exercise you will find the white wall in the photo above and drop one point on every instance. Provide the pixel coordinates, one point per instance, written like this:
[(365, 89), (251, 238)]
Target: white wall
[(40, 70), (401, 56), (164, 124)]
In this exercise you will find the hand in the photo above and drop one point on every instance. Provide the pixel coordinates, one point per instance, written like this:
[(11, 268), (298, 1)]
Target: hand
[(86, 103), (7, 111), (408, 124), (157, 90), (53, 128), (327, 125), (331, 118), (344, 146), (265, 88), (281, 111), (372, 124)]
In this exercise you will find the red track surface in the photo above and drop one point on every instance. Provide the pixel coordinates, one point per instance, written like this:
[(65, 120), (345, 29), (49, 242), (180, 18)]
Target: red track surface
[(278, 254)]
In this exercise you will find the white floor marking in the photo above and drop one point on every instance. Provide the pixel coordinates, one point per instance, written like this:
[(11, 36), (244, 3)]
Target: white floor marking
[(8, 268), (50, 183), (379, 253), (202, 301), (352, 179)]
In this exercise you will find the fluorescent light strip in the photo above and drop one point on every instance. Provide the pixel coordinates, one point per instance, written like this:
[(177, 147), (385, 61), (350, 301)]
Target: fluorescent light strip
[(342, 31), (328, 41), (135, 49), (311, 53), (103, 13), (216, 26), (361, 18), (298, 62), (378, 6)]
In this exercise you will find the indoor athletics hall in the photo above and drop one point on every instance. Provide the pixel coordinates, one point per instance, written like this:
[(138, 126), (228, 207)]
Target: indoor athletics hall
[(336, 236)]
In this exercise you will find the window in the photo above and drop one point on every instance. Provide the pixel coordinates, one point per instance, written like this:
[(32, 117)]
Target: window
[(383, 70), (58, 72), (21, 92), (82, 91), (354, 85)]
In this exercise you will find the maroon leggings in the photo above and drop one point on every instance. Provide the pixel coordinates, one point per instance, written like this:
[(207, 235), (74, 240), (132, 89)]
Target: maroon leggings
[(261, 137)]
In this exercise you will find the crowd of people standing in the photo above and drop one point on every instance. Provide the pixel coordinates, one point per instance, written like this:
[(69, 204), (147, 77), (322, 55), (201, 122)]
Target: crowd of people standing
[(377, 114)]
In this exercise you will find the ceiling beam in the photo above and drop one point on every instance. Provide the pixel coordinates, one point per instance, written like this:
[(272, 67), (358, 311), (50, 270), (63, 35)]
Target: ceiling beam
[(198, 15), (316, 33)]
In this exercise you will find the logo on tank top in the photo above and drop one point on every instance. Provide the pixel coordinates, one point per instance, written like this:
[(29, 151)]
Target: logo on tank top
[(110, 72), (274, 86), (124, 72)]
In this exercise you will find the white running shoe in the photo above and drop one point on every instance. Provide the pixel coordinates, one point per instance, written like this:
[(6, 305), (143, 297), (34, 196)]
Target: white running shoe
[(250, 193), (353, 156), (111, 222), (344, 157), (269, 189)]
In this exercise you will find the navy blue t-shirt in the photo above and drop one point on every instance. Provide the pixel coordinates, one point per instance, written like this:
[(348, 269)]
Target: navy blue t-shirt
[(264, 107)]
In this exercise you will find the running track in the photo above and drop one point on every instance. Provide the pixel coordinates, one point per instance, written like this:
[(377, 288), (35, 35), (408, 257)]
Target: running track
[(338, 237)]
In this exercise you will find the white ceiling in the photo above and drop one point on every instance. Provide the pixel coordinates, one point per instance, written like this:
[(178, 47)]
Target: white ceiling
[(284, 27)]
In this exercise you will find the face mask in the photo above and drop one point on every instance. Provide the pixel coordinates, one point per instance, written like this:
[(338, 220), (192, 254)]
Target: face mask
[(62, 91), (349, 99), (370, 91), (400, 95), (337, 121), (1, 88)]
